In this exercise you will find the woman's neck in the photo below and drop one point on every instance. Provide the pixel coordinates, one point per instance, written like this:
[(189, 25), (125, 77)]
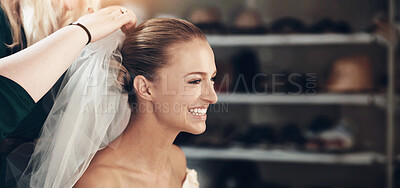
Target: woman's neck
[(145, 143)]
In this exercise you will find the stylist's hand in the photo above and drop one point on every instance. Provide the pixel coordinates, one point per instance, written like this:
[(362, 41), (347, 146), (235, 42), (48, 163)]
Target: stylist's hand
[(107, 20)]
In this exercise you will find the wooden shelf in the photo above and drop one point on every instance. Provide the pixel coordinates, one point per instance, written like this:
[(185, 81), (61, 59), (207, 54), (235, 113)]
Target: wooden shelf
[(291, 39), (359, 158), (317, 99)]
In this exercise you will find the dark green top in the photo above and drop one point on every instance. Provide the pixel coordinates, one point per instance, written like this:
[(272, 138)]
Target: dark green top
[(19, 116), (26, 125), (15, 104)]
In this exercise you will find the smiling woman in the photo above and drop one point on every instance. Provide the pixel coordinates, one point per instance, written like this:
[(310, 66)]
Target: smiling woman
[(170, 67), (163, 79)]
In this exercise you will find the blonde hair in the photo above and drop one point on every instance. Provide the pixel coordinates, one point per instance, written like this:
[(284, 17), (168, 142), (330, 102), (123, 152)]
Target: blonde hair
[(40, 18)]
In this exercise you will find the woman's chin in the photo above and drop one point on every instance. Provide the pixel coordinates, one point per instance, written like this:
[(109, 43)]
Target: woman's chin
[(197, 128)]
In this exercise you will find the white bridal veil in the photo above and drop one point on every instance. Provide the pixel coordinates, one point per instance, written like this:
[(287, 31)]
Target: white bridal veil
[(89, 112)]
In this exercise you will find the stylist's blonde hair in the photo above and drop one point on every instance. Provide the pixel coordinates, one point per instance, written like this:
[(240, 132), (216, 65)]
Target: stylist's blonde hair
[(40, 18)]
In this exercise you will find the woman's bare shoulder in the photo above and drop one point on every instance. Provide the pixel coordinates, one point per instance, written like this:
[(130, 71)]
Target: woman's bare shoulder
[(97, 177), (178, 159)]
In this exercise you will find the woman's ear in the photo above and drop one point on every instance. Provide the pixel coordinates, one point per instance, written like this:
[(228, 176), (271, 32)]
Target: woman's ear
[(141, 85)]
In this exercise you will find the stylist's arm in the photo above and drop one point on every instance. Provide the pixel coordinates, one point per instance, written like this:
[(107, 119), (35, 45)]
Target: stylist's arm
[(36, 68)]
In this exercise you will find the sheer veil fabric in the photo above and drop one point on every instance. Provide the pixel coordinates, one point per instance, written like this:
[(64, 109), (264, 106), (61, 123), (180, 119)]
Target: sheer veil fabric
[(89, 112)]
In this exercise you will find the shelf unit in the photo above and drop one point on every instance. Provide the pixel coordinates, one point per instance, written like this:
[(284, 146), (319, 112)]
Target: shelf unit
[(386, 100), (287, 156)]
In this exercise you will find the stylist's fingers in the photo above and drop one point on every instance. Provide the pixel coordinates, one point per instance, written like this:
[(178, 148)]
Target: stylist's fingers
[(107, 20), (128, 20)]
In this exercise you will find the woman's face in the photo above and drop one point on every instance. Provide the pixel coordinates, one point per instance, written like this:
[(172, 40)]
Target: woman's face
[(185, 87)]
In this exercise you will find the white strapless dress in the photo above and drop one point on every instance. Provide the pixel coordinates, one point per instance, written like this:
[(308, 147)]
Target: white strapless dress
[(191, 179)]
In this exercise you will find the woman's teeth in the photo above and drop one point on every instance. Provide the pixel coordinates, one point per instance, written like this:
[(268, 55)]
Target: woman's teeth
[(198, 111)]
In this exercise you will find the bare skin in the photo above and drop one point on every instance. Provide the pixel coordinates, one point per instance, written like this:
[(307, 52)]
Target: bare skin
[(144, 155), (116, 173)]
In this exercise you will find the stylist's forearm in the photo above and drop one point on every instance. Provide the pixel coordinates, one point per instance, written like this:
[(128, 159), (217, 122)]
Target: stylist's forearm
[(39, 66)]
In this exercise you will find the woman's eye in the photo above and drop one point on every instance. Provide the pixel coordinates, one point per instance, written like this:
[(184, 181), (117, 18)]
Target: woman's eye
[(213, 79), (195, 82)]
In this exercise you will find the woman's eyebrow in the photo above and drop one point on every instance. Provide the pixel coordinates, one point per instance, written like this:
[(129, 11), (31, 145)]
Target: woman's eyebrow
[(202, 73), (198, 72)]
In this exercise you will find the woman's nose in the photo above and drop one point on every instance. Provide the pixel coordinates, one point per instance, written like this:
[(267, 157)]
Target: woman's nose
[(208, 93)]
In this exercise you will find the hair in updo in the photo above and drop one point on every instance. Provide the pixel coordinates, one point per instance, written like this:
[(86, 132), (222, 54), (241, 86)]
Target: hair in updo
[(144, 50)]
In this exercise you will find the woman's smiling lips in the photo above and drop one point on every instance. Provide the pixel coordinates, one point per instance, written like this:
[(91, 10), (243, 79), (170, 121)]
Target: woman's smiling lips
[(199, 112)]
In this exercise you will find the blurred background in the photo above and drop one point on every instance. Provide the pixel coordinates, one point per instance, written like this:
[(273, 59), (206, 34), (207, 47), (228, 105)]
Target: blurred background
[(306, 92)]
